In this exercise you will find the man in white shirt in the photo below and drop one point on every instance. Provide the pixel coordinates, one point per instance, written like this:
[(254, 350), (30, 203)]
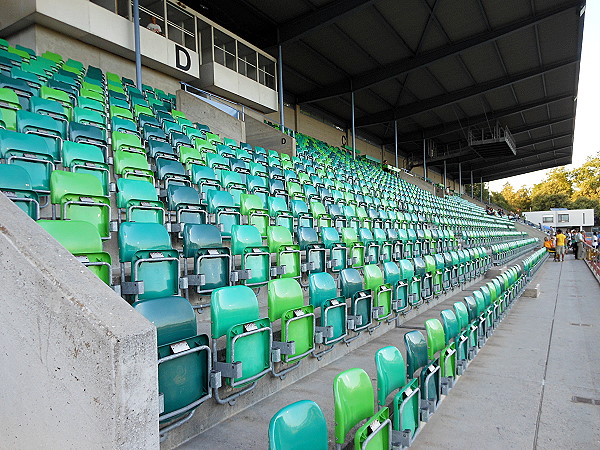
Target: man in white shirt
[(153, 26), (595, 240)]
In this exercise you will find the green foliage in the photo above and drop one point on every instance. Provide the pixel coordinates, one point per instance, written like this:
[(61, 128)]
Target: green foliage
[(546, 201)]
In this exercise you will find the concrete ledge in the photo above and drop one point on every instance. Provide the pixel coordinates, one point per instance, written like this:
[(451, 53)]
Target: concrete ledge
[(78, 364), (532, 291)]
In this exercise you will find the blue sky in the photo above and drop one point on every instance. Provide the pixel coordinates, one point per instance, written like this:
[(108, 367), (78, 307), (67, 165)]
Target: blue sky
[(588, 99)]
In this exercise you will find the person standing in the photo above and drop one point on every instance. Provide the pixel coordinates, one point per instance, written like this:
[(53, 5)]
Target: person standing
[(560, 246), (580, 238), (595, 240), (153, 26)]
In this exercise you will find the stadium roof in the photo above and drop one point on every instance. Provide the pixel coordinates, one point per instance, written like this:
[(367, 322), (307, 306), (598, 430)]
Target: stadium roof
[(438, 67)]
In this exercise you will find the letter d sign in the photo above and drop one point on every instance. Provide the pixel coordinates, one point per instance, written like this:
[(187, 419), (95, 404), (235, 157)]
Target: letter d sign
[(182, 58)]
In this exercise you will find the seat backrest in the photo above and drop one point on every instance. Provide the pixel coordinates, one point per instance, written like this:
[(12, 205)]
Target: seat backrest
[(178, 194), (330, 236), (480, 300), (173, 317), (14, 177), (243, 237), (353, 401), (278, 236), (450, 324), (297, 426), (283, 294), (231, 305), (350, 282), (391, 273), (436, 339), (321, 287), (129, 189), (249, 203), (76, 236), (472, 309), (373, 276), (307, 236), (391, 372), (217, 199), (136, 236), (416, 351), (200, 236), (63, 183), (75, 151)]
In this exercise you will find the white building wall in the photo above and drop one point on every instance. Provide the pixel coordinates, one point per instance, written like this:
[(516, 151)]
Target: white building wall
[(577, 218)]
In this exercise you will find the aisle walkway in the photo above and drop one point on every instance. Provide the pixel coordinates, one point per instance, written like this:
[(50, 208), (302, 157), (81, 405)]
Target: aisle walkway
[(519, 392)]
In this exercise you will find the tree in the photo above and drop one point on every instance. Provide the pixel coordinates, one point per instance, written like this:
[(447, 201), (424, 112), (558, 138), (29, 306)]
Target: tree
[(588, 203), (522, 200), (558, 181), (586, 179), (544, 202), (498, 199)]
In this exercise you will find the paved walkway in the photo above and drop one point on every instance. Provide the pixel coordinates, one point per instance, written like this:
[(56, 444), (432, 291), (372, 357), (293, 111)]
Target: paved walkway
[(517, 393)]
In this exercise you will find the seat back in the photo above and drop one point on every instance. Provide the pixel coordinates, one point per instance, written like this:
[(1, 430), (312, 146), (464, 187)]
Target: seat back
[(353, 401), (416, 351), (351, 282), (391, 372), (298, 426), (321, 287), (230, 306), (450, 324), (436, 339)]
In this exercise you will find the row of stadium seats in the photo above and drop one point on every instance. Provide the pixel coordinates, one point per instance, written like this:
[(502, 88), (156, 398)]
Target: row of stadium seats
[(433, 365)]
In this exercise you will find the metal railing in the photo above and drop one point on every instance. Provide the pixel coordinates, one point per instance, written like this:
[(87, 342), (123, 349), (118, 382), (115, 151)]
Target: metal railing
[(592, 259)]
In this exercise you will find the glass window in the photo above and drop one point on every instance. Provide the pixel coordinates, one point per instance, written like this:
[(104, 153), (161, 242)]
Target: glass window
[(225, 49), (563, 218), (266, 71), (205, 41), (548, 219), (181, 26), (246, 61), (150, 9)]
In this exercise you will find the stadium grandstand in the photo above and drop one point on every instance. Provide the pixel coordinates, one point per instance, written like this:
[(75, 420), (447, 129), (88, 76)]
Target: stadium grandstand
[(246, 224)]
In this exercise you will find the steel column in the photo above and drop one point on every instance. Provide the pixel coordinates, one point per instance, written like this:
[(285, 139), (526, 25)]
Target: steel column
[(280, 86), (460, 179), (353, 130), (396, 140), (136, 34), (424, 159)]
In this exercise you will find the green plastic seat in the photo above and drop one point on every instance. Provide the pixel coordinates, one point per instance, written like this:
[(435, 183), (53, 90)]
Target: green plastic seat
[(426, 370), (212, 261), (137, 201), (445, 353), (132, 166), (183, 375), (58, 96), (286, 303), (255, 260), (80, 196), (298, 426), (83, 241), (355, 247), (235, 316), (147, 249), (86, 158), (127, 142), (391, 378), (353, 398), (323, 294), (381, 292), (30, 152), (427, 288), (281, 243), (252, 206), (15, 183)]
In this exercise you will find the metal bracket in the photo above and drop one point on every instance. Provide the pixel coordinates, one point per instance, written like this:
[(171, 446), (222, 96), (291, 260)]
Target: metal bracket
[(353, 322), (401, 438), (238, 275), (175, 227), (132, 288), (376, 312), (228, 370), (214, 380), (285, 348), (196, 280), (112, 187), (278, 270), (308, 266), (332, 263), (113, 226), (326, 331)]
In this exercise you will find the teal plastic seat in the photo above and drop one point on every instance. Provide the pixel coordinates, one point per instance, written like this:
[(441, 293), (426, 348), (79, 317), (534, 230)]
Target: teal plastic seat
[(255, 259), (281, 243), (225, 212), (212, 261), (315, 252), (391, 378), (30, 152), (44, 126), (455, 330), (15, 183), (154, 263), (279, 210), (399, 285), (298, 426), (323, 294), (338, 252), (381, 292), (235, 316), (184, 202), (426, 370), (361, 300), (353, 399), (83, 241), (184, 357), (419, 277), (137, 201), (80, 196), (86, 158), (286, 304)]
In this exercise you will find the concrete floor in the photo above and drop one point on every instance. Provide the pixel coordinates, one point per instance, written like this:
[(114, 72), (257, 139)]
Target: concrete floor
[(517, 393)]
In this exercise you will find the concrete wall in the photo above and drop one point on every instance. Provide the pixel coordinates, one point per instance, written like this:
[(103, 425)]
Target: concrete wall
[(220, 122), (260, 134), (78, 364)]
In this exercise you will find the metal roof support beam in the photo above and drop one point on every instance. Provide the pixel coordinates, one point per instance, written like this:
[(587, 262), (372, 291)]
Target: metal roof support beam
[(353, 130), (529, 168), (531, 142), (332, 12), (456, 96), (396, 141), (518, 162), (543, 124), (460, 190), (280, 87), (493, 116), (407, 65)]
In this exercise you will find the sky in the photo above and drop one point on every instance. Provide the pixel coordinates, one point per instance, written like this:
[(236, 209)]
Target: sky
[(588, 99)]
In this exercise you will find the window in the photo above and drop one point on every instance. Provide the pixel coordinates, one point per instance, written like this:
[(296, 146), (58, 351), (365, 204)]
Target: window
[(563, 218), (547, 219)]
